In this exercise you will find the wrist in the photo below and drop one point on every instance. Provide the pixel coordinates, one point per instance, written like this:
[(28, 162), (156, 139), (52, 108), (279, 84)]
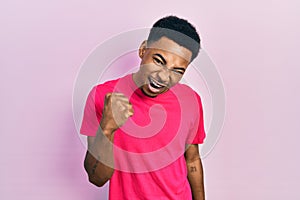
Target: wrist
[(106, 130)]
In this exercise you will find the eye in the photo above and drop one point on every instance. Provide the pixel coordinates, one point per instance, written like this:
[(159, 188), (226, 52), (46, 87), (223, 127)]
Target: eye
[(180, 72), (157, 61)]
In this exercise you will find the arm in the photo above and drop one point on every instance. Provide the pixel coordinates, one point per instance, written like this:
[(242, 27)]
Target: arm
[(195, 172), (99, 160)]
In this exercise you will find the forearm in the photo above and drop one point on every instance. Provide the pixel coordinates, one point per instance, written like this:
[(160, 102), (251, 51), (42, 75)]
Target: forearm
[(195, 177), (99, 159)]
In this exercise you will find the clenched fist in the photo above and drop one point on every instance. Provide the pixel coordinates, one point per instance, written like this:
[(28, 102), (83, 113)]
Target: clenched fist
[(117, 109)]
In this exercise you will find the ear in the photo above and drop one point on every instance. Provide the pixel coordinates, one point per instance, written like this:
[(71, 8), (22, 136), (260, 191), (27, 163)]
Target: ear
[(142, 49)]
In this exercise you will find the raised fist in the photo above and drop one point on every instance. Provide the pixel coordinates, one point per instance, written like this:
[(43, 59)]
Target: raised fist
[(117, 109)]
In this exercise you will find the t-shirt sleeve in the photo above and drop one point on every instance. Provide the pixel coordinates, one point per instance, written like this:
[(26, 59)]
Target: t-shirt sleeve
[(92, 113), (197, 131)]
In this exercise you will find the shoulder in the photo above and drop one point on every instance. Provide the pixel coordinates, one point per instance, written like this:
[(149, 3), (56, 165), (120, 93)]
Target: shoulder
[(188, 97), (106, 85), (186, 91), (111, 85), (98, 91)]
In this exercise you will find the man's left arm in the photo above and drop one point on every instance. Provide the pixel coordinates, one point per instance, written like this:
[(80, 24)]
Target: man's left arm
[(195, 172)]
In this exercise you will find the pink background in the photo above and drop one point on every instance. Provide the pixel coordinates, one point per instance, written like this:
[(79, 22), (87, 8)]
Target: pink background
[(254, 44)]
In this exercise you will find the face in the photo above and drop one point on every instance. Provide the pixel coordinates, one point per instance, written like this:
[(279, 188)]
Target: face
[(163, 64)]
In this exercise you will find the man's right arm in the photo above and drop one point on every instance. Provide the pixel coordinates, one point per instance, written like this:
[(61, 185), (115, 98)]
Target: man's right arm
[(99, 160)]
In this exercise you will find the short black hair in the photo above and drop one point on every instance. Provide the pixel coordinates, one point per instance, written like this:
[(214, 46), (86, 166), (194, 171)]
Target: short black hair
[(179, 30)]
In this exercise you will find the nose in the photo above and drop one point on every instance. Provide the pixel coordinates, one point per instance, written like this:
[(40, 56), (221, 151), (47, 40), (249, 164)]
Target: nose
[(164, 75)]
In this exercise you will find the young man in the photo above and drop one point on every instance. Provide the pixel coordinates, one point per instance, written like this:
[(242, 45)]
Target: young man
[(144, 129)]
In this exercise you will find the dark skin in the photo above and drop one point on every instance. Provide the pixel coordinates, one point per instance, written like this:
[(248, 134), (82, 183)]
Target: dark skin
[(116, 111), (163, 62), (195, 172)]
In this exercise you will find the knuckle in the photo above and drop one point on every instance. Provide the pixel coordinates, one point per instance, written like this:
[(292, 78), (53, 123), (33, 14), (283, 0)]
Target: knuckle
[(108, 95)]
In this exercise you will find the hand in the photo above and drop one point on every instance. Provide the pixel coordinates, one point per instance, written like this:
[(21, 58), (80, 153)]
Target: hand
[(117, 109)]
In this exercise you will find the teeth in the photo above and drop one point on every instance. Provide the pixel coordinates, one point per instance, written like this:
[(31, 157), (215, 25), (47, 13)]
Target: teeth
[(155, 84)]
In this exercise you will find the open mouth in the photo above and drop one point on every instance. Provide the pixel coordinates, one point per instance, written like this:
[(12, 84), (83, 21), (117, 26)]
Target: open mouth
[(155, 86)]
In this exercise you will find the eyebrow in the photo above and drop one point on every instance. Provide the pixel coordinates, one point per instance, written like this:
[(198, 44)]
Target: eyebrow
[(161, 57), (165, 62)]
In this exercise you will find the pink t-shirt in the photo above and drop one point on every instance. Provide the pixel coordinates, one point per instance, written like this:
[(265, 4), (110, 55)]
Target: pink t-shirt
[(149, 148)]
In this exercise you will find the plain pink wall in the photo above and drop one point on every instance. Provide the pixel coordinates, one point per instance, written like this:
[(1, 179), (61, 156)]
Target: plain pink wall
[(254, 45)]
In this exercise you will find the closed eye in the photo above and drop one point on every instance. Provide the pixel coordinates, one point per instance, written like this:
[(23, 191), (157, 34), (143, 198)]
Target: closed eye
[(158, 61), (178, 70)]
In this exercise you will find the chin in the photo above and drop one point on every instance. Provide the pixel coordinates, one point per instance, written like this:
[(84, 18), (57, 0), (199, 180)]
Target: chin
[(149, 93)]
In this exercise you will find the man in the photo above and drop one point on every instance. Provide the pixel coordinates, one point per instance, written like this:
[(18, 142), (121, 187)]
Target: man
[(144, 129)]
